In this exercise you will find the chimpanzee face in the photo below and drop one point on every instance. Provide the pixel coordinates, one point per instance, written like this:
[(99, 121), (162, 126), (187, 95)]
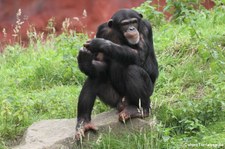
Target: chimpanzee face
[(126, 21), (129, 28)]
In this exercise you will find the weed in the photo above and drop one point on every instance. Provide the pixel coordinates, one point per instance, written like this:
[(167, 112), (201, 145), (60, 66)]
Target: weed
[(43, 81), (150, 13), (18, 25)]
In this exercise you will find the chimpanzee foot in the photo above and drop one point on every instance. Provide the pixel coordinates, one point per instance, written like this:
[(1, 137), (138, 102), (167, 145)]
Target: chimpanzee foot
[(82, 129), (122, 104), (132, 112)]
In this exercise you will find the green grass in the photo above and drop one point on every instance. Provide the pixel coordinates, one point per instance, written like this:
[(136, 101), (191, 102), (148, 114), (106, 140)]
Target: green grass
[(42, 81)]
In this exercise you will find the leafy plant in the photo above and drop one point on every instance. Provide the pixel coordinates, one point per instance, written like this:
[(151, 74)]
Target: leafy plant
[(150, 13), (182, 10)]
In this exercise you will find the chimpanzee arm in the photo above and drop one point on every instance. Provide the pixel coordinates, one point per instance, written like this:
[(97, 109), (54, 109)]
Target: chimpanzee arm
[(123, 54), (150, 62), (88, 65), (117, 51)]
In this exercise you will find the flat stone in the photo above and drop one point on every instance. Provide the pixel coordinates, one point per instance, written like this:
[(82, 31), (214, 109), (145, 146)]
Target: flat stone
[(59, 133)]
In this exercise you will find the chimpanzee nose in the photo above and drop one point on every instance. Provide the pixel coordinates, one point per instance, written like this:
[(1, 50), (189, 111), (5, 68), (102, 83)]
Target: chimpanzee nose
[(131, 28)]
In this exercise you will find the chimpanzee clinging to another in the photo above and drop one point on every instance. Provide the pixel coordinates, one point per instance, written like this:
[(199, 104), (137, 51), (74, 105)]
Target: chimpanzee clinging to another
[(121, 67)]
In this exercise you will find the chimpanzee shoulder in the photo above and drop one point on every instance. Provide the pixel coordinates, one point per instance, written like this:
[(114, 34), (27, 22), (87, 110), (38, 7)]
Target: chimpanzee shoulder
[(145, 27), (104, 31)]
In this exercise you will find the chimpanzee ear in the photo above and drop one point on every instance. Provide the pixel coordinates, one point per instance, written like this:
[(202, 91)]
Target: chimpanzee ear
[(140, 15), (110, 23)]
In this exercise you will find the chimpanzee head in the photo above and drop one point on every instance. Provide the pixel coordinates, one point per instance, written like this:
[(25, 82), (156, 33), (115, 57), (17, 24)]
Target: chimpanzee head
[(127, 22)]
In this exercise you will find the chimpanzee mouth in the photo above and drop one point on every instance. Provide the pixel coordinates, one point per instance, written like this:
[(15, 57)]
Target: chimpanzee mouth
[(134, 40), (132, 37)]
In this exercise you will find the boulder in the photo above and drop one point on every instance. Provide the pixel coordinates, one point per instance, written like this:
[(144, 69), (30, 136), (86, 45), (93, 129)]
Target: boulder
[(59, 133)]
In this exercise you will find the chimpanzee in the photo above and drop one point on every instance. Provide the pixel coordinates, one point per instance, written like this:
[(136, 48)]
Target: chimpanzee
[(121, 67)]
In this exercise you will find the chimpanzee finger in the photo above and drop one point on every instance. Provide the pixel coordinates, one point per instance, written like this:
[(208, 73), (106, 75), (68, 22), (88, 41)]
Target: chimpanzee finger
[(87, 43), (90, 126), (83, 49), (79, 134)]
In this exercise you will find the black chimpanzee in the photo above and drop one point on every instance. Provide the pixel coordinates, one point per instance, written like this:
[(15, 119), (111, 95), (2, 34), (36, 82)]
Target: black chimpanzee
[(121, 67)]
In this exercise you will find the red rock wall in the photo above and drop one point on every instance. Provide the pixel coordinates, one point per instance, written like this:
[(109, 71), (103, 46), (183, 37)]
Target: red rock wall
[(38, 12)]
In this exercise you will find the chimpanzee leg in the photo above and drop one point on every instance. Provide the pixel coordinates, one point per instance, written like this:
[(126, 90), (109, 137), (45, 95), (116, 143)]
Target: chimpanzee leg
[(110, 96), (86, 101), (139, 88), (85, 105), (91, 89)]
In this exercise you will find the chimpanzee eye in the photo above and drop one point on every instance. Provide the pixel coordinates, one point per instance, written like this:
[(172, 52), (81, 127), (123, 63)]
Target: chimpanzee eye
[(134, 21), (124, 23)]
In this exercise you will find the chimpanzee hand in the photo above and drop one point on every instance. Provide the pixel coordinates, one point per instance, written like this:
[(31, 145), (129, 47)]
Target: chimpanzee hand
[(82, 128), (97, 45), (85, 56)]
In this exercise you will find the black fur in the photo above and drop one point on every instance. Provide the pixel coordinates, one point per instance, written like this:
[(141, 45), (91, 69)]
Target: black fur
[(127, 70)]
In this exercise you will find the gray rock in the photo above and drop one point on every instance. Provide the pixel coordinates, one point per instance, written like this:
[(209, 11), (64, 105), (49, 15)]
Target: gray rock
[(59, 133)]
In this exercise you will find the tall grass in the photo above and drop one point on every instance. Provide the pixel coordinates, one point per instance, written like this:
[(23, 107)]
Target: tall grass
[(42, 81)]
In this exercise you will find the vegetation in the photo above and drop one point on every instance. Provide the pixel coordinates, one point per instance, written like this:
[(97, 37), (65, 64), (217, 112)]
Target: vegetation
[(42, 81)]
